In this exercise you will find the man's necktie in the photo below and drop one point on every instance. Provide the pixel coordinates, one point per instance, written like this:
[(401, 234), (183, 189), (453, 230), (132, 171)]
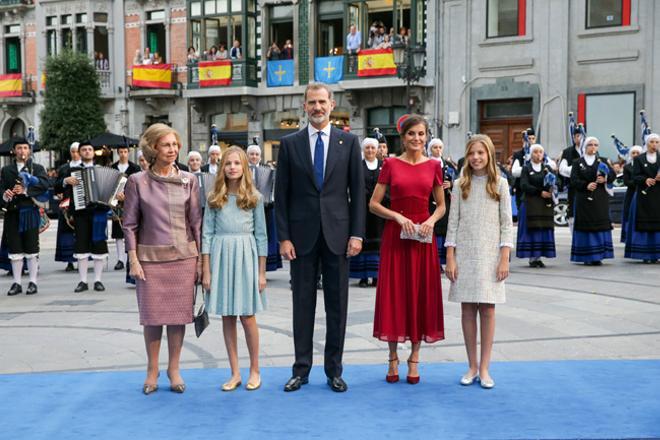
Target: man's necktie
[(318, 160)]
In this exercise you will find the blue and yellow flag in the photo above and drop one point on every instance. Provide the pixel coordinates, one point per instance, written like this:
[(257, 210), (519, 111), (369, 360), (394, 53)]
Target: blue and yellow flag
[(280, 73), (329, 70)]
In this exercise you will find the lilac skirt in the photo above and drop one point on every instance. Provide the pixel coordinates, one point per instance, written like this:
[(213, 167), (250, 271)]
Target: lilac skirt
[(166, 296)]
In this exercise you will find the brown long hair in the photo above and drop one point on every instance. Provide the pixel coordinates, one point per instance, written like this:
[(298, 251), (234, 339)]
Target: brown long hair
[(247, 197), (493, 174)]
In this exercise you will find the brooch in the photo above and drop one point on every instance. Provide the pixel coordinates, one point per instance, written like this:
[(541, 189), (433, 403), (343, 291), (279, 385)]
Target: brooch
[(341, 142), (185, 181)]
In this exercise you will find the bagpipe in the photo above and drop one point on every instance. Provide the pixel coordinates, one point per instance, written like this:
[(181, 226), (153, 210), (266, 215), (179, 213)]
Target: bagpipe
[(526, 145), (29, 218), (644, 126), (577, 128), (550, 185), (622, 150), (602, 171)]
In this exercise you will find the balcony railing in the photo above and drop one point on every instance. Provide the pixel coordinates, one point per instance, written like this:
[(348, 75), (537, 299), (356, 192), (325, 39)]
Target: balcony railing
[(14, 3), (105, 80), (222, 73), (154, 76)]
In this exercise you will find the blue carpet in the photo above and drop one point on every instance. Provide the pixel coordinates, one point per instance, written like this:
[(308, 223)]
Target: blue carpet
[(554, 400)]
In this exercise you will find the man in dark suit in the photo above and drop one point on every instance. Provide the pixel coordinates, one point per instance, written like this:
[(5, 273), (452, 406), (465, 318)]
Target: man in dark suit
[(320, 213), (22, 181), (127, 167)]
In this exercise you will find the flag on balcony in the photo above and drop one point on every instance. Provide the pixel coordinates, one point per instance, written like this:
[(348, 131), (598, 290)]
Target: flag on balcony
[(153, 76), (11, 85), (280, 73), (214, 73), (376, 62), (329, 70)]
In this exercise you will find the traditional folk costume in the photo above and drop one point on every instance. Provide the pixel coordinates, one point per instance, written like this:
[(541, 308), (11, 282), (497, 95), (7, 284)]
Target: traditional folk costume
[(22, 219), (643, 227), (631, 188), (90, 226), (365, 265), (536, 234), (592, 230)]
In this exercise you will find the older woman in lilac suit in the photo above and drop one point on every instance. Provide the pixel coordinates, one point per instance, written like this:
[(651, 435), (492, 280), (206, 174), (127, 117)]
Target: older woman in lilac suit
[(162, 225)]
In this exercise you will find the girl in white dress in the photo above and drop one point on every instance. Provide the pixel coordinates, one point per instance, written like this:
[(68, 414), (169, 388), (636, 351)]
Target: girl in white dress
[(479, 242)]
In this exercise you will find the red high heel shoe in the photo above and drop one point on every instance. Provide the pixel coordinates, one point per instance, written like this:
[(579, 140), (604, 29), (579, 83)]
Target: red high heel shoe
[(394, 377), (412, 380)]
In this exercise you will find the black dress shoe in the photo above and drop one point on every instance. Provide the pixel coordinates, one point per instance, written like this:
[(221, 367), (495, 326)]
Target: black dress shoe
[(597, 263), (295, 383), (70, 268), (363, 283), (119, 265), (15, 289), (32, 289), (374, 282), (98, 286), (337, 384), (81, 287), (540, 264)]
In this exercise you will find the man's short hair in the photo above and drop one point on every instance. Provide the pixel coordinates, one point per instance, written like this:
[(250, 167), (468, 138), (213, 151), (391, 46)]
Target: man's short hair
[(319, 86)]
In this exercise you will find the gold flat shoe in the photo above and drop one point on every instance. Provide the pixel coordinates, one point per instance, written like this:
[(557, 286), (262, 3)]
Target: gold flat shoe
[(252, 386), (178, 388), (231, 386), (149, 388)]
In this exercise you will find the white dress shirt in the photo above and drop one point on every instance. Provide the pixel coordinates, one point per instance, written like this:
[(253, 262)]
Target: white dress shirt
[(312, 133), (122, 167)]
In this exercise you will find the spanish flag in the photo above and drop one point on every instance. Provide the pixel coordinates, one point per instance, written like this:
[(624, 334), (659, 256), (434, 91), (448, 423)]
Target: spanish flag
[(376, 62), (11, 85), (214, 73), (154, 76)]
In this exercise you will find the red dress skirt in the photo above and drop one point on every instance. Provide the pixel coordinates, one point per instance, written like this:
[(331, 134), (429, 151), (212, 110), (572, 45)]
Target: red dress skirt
[(409, 292)]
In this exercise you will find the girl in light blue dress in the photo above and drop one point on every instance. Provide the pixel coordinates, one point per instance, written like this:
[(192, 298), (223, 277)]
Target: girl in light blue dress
[(234, 251)]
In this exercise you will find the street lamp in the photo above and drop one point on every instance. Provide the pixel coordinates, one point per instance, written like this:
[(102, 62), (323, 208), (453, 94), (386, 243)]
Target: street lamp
[(409, 60)]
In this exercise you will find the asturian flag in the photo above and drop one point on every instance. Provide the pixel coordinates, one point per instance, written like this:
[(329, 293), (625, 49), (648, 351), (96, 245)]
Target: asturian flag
[(280, 73), (329, 70)]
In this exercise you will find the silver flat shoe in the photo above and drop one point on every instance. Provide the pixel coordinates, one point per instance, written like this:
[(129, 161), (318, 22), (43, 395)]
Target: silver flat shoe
[(487, 384), (469, 380)]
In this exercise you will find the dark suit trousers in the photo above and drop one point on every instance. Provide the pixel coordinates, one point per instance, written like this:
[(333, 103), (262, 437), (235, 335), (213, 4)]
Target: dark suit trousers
[(334, 269)]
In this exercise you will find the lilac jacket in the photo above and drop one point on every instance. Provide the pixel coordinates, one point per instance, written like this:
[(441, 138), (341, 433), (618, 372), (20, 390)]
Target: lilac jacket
[(162, 216)]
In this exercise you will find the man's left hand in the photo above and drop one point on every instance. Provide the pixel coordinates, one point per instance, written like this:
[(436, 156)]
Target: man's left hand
[(354, 247)]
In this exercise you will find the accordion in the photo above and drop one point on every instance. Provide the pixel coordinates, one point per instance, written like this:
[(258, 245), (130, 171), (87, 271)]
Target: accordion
[(98, 185), (206, 185)]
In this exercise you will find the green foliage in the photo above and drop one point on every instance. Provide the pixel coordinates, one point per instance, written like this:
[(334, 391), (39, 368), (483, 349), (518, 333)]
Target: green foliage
[(72, 108)]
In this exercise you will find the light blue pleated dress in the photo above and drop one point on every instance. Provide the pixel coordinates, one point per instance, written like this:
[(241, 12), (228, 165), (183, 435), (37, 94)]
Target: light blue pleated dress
[(235, 238)]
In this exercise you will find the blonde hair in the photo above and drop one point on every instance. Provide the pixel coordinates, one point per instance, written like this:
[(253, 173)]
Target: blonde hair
[(150, 138), (247, 197), (493, 174)]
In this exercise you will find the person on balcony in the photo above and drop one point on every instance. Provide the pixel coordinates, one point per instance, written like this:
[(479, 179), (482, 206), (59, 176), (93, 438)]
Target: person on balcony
[(102, 63), (236, 53), (274, 53), (222, 52), (148, 56), (157, 59), (353, 43), (137, 59), (213, 53), (287, 50), (193, 56)]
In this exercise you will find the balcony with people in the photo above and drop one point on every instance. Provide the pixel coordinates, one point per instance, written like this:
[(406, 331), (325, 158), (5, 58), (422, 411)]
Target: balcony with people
[(223, 45)]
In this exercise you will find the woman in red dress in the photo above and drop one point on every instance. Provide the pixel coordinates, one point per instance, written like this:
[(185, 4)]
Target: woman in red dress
[(409, 294)]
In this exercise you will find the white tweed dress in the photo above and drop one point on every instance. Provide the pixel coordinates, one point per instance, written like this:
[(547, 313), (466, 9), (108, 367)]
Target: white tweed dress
[(478, 227)]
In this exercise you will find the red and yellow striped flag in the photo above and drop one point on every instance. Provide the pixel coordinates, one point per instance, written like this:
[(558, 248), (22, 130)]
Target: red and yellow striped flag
[(11, 85), (154, 76), (214, 73), (376, 62)]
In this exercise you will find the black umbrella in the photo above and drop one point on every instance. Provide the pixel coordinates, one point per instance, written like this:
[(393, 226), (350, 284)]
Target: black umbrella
[(7, 147), (111, 140)]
